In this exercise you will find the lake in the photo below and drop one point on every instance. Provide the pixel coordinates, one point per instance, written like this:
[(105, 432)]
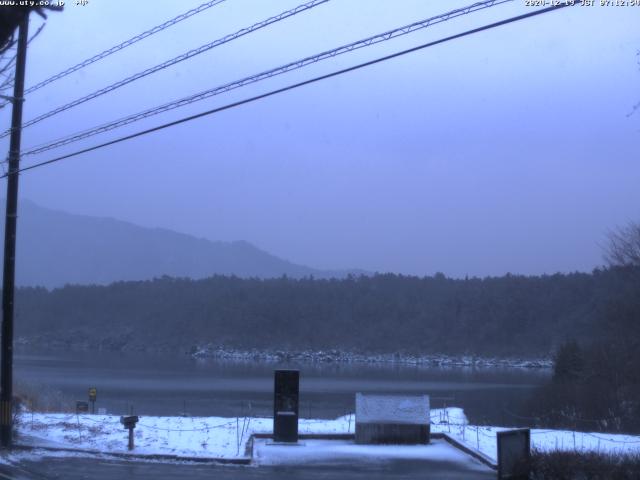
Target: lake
[(172, 384)]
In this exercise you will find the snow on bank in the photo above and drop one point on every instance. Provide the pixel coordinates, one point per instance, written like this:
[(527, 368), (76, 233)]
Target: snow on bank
[(221, 437), (483, 439), (216, 352), (206, 437)]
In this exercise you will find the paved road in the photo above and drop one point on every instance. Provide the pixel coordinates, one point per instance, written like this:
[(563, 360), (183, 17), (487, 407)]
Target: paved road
[(100, 469)]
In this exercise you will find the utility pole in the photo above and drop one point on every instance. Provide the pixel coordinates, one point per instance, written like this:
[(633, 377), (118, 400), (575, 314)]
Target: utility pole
[(8, 278)]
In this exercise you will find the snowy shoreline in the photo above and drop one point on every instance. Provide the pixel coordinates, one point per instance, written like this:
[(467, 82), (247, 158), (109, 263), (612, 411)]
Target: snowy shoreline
[(334, 356), (216, 352), (328, 356)]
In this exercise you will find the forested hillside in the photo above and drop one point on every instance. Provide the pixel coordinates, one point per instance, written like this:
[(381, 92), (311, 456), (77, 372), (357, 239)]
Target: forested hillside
[(510, 315)]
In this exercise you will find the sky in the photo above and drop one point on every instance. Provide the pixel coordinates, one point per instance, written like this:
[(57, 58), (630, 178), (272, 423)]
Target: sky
[(511, 150)]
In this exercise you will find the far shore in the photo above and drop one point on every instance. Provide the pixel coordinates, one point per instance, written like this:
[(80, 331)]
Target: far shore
[(331, 356), (328, 356)]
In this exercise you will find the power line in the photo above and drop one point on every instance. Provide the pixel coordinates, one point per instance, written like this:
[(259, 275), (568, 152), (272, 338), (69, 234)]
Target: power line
[(381, 37), (303, 83), (185, 56), (125, 44), (120, 46)]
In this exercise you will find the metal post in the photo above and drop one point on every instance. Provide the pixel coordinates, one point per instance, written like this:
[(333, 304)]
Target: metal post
[(129, 423), (8, 279)]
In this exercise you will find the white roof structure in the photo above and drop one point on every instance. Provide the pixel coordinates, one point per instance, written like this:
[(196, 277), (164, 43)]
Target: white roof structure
[(392, 409)]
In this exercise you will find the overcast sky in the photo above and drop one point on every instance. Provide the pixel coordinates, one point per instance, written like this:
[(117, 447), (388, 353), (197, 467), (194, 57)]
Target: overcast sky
[(511, 150)]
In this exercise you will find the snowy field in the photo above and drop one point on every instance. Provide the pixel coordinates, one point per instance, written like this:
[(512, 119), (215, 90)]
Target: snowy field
[(218, 437), (205, 437), (452, 421)]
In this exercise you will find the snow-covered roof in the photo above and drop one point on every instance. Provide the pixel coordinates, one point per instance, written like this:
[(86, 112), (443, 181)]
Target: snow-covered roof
[(379, 408)]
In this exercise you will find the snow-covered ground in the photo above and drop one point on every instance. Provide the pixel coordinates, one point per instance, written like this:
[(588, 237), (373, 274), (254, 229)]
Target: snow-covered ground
[(314, 452), (218, 437), (208, 437), (483, 438)]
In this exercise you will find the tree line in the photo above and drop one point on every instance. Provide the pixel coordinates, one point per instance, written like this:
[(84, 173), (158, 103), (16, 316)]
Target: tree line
[(512, 315), (596, 382)]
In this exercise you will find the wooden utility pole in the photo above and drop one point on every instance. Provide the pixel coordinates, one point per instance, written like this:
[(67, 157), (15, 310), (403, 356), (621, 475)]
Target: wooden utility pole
[(8, 278)]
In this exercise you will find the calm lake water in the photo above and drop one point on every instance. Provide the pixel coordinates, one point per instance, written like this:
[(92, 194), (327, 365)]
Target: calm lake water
[(169, 385)]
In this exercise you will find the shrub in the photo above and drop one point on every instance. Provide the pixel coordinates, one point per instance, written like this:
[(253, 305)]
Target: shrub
[(561, 465)]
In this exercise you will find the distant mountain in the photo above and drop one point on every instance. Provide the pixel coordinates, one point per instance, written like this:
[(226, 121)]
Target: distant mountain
[(57, 248)]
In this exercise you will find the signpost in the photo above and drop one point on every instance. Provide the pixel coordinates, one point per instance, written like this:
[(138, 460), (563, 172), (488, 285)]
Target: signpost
[(82, 407), (93, 393), (129, 423)]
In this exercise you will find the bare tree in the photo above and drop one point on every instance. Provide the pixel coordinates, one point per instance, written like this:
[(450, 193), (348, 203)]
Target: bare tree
[(10, 17), (624, 246), (7, 62), (636, 107)]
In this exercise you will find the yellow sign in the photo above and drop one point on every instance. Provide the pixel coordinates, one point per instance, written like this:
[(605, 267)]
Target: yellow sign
[(93, 393)]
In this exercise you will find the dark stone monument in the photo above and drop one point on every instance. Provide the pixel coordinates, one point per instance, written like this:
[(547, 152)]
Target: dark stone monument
[(514, 452), (285, 405), (392, 419)]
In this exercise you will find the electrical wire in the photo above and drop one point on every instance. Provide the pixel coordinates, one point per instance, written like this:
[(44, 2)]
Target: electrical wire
[(125, 44), (169, 63), (381, 37), (300, 84)]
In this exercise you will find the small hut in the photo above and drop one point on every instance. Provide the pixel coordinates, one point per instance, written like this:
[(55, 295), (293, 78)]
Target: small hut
[(392, 419)]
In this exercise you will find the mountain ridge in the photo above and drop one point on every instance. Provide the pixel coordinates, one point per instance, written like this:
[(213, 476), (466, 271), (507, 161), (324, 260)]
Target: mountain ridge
[(55, 248)]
